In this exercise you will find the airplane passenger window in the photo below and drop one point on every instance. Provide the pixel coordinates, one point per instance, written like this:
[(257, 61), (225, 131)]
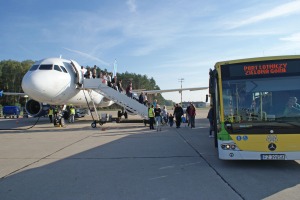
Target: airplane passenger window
[(45, 67), (64, 69), (34, 67), (56, 67)]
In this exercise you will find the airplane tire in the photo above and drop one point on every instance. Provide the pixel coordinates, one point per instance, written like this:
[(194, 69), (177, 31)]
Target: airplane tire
[(125, 115), (93, 124), (120, 114), (62, 122)]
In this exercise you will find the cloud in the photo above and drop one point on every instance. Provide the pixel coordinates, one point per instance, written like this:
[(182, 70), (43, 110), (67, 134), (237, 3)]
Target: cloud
[(87, 56), (290, 8), (292, 38), (131, 5)]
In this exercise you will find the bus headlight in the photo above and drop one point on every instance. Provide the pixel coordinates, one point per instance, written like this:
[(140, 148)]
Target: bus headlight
[(228, 146)]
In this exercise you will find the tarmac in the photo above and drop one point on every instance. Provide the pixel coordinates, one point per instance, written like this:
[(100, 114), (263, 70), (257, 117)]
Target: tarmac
[(130, 161)]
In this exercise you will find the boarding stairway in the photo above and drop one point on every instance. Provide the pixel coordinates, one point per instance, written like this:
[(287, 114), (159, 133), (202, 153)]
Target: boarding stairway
[(130, 104)]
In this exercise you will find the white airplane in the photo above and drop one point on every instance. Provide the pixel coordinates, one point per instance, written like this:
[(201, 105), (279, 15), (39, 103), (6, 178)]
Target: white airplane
[(57, 81)]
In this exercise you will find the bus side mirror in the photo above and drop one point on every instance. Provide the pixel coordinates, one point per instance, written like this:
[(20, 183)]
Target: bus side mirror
[(212, 76)]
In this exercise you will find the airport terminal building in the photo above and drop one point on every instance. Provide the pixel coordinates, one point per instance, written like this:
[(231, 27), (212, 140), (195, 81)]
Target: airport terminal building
[(198, 104)]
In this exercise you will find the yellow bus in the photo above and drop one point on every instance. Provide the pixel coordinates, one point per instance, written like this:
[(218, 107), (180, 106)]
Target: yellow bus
[(256, 109)]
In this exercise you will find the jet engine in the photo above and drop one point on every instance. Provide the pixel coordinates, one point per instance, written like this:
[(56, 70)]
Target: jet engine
[(36, 109)]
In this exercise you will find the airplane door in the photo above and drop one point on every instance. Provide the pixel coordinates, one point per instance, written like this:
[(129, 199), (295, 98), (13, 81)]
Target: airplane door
[(79, 75)]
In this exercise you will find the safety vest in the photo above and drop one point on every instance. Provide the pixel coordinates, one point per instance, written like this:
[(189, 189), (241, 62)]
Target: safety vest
[(150, 112), (72, 111), (50, 112)]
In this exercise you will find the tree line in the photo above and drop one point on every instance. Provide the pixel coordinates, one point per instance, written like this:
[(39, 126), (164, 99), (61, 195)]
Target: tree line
[(12, 72)]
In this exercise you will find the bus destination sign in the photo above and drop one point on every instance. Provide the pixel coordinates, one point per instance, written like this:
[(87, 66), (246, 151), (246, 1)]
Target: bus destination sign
[(278, 68), (261, 69)]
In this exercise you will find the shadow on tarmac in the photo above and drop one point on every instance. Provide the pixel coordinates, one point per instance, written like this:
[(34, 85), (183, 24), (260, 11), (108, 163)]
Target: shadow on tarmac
[(143, 164)]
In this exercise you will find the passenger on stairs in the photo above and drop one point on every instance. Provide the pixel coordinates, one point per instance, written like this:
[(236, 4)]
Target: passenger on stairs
[(141, 98), (145, 99), (88, 73), (101, 74), (104, 79), (155, 103), (94, 71), (109, 80), (119, 85), (83, 70), (129, 90)]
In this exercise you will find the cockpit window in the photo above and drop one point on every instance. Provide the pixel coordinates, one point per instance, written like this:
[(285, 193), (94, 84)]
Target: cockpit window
[(34, 67), (56, 67), (64, 69), (45, 67)]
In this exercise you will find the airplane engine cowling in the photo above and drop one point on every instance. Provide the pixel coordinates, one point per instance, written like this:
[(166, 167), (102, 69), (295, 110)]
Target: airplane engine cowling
[(36, 109)]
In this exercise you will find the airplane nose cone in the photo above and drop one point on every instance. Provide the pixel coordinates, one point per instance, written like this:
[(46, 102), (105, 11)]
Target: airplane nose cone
[(36, 86)]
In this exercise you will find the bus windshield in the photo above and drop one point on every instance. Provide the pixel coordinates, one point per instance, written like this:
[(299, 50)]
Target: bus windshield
[(258, 105)]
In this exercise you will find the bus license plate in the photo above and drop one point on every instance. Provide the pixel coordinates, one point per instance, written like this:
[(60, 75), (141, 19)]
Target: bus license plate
[(272, 156)]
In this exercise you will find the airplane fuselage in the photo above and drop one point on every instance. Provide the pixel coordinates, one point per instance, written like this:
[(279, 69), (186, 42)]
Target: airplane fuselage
[(56, 81)]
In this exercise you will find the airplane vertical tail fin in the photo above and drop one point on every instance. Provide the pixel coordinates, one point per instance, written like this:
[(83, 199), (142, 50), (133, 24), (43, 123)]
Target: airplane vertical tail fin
[(115, 68)]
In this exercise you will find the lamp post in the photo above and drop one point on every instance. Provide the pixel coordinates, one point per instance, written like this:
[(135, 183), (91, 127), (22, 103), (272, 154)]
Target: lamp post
[(181, 80)]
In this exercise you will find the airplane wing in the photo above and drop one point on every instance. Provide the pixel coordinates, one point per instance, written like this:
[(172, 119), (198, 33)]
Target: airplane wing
[(11, 93), (169, 90)]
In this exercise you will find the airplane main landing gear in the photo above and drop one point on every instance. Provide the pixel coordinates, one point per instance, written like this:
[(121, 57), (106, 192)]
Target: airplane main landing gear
[(94, 124), (121, 113)]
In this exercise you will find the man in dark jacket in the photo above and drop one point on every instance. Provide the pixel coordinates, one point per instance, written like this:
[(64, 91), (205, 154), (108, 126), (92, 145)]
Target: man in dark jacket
[(141, 98), (210, 117), (178, 112)]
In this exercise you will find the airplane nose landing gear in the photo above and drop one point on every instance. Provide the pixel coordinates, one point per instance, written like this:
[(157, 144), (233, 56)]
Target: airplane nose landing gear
[(59, 121)]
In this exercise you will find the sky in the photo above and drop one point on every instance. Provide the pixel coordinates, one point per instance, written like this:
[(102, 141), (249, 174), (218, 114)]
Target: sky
[(168, 40)]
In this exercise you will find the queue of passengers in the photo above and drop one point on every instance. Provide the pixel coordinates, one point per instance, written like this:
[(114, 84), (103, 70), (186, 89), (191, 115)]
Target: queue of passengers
[(106, 77)]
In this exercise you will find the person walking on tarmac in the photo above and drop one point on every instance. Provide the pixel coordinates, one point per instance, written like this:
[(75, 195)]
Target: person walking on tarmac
[(192, 115), (55, 112), (72, 115), (157, 112), (210, 117), (187, 111), (178, 112), (151, 116), (50, 114)]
